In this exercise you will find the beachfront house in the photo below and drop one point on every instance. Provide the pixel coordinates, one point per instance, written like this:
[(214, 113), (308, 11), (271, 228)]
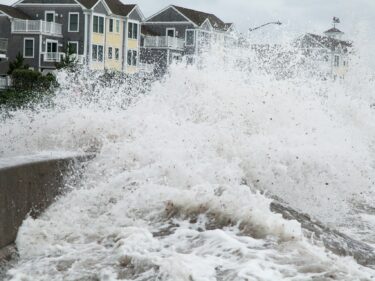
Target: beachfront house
[(175, 32), (105, 34), (328, 50)]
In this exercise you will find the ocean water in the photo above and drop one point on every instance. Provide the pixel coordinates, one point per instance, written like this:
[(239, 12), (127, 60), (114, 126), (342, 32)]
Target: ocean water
[(186, 167)]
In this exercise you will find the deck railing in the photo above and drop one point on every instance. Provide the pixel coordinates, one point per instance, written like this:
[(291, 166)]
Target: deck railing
[(164, 42), (36, 26), (5, 82), (3, 44), (52, 56)]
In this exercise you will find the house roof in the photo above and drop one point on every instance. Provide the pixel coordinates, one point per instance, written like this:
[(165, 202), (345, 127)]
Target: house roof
[(228, 25), (116, 6), (200, 17), (330, 43), (119, 8), (145, 30), (13, 12), (333, 30)]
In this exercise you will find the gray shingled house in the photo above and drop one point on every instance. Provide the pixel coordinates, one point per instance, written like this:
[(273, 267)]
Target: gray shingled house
[(328, 50), (176, 31), (103, 33)]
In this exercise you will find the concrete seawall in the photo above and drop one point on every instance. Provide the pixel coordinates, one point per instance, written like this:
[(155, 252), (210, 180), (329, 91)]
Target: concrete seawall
[(29, 188)]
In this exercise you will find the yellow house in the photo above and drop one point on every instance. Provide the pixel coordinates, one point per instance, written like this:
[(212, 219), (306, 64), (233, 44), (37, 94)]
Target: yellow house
[(113, 36)]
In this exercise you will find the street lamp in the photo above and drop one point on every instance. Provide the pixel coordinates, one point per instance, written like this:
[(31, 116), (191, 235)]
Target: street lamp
[(268, 23)]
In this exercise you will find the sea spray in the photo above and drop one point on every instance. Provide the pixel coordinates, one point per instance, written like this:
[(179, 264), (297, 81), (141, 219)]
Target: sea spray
[(179, 186)]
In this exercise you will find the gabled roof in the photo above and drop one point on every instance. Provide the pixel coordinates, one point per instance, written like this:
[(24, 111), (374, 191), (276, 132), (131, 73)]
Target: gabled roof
[(88, 4), (324, 42), (119, 8), (116, 6), (333, 30), (200, 17), (228, 25), (13, 12)]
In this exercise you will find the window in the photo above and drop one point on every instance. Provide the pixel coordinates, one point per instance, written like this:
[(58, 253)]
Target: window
[(97, 52), (98, 24), (73, 22), (73, 45), (49, 16), (110, 25), (337, 61), (52, 52), (110, 53), (28, 47), (117, 53), (190, 38), (118, 26), (132, 57), (171, 32), (133, 30)]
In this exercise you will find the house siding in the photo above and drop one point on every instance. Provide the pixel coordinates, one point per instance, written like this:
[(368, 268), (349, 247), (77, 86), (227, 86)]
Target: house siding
[(168, 15), (61, 17), (161, 29), (5, 33)]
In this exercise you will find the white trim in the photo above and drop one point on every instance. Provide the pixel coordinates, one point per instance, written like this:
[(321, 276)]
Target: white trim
[(171, 6), (104, 23), (75, 42), (127, 28), (109, 25), (73, 13), (209, 22), (139, 12), (50, 12), (186, 31), (105, 6), (47, 5), (24, 47), (110, 47), (166, 22), (168, 29)]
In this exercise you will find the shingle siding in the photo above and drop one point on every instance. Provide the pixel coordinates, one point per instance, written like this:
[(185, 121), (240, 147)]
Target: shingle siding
[(62, 17), (168, 15)]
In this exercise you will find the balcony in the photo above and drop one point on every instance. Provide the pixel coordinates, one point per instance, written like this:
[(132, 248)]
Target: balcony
[(5, 82), (164, 42), (52, 56), (3, 45), (36, 26)]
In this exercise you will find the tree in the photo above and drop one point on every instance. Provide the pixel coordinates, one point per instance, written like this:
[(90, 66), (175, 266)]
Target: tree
[(17, 64), (69, 60)]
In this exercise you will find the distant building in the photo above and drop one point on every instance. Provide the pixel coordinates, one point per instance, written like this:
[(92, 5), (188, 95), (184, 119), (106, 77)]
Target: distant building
[(176, 31), (105, 34), (328, 50)]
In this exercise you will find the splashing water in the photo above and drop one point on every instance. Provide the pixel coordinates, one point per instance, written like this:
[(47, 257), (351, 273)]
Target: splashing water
[(183, 170)]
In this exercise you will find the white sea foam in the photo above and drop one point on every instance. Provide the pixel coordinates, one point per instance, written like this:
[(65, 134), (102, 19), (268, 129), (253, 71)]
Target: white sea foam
[(176, 189)]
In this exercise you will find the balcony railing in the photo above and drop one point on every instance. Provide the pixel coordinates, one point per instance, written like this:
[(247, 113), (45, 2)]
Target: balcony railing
[(3, 44), (52, 56), (36, 26), (164, 42), (5, 82)]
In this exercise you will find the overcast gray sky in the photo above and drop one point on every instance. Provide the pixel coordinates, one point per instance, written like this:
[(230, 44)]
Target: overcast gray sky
[(357, 16)]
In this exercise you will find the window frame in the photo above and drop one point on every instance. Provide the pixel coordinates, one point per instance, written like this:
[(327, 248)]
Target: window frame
[(98, 24), (77, 44), (336, 61), (117, 53), (110, 51), (132, 29), (49, 12), (118, 22), (168, 29), (73, 13), (24, 47), (186, 41), (130, 58), (109, 25)]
